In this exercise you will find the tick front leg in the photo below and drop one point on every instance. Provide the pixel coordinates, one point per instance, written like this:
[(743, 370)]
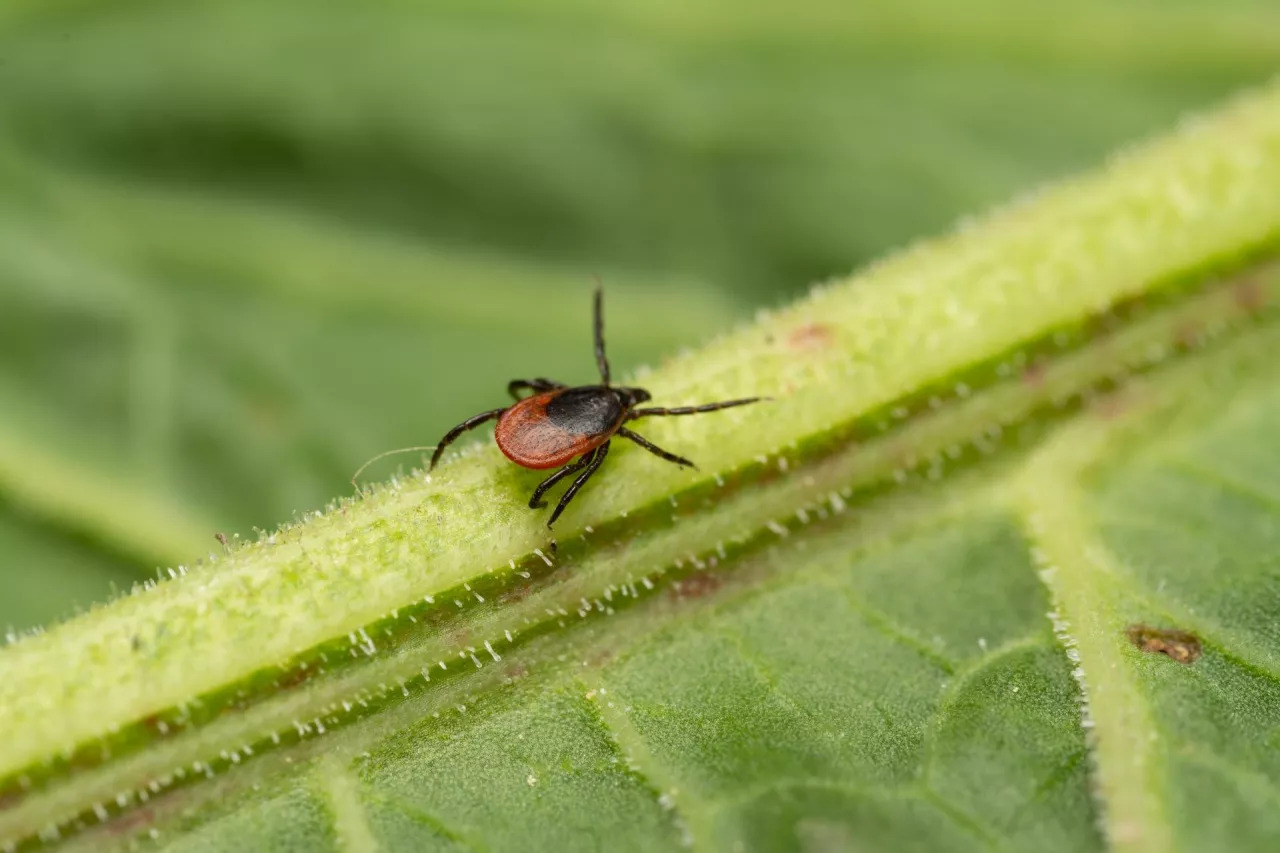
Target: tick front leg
[(536, 502), (515, 386), (469, 423), (602, 361), (600, 453)]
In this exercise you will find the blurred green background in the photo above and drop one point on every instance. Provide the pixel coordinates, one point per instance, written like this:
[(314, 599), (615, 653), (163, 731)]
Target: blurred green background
[(244, 245)]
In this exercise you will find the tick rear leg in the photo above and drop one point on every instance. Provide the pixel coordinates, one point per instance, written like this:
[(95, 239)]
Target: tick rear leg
[(536, 502), (655, 449), (515, 386), (600, 453), (469, 423)]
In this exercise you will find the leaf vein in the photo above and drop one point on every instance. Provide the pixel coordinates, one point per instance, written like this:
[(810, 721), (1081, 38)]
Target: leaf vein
[(342, 792), (635, 756), (1213, 477), (953, 687), (430, 821)]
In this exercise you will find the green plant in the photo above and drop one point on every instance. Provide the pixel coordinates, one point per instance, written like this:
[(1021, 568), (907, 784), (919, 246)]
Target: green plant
[(833, 635)]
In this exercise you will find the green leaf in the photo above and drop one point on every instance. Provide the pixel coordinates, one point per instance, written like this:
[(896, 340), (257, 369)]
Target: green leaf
[(244, 246), (831, 635)]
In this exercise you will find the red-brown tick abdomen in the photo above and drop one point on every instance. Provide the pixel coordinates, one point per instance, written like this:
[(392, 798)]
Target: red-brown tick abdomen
[(532, 437)]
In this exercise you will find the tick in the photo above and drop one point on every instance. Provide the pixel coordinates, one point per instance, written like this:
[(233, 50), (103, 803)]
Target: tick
[(556, 423)]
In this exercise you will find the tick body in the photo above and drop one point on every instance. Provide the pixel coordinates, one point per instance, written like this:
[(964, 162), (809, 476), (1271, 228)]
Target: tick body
[(548, 430), (571, 428)]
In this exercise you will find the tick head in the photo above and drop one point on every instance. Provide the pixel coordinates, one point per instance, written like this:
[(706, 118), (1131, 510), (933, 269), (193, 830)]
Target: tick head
[(633, 396)]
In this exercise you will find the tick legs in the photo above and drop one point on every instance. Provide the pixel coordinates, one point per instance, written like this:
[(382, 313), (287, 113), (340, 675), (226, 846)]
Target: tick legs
[(469, 423), (653, 448), (601, 361), (515, 386), (600, 453), (536, 502), (692, 410)]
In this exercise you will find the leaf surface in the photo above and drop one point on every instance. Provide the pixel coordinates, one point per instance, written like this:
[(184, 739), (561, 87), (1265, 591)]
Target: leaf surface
[(990, 572)]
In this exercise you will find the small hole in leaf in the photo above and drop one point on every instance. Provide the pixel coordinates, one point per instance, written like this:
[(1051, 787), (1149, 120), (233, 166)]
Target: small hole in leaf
[(1182, 646)]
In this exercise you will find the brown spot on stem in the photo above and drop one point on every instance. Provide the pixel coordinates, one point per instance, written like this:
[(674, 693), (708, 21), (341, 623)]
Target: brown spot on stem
[(1033, 374), (1189, 335), (293, 678), (1182, 646), (516, 593), (153, 721), (10, 797), (1111, 406), (696, 585), (811, 337), (131, 822), (1250, 295), (1102, 326)]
